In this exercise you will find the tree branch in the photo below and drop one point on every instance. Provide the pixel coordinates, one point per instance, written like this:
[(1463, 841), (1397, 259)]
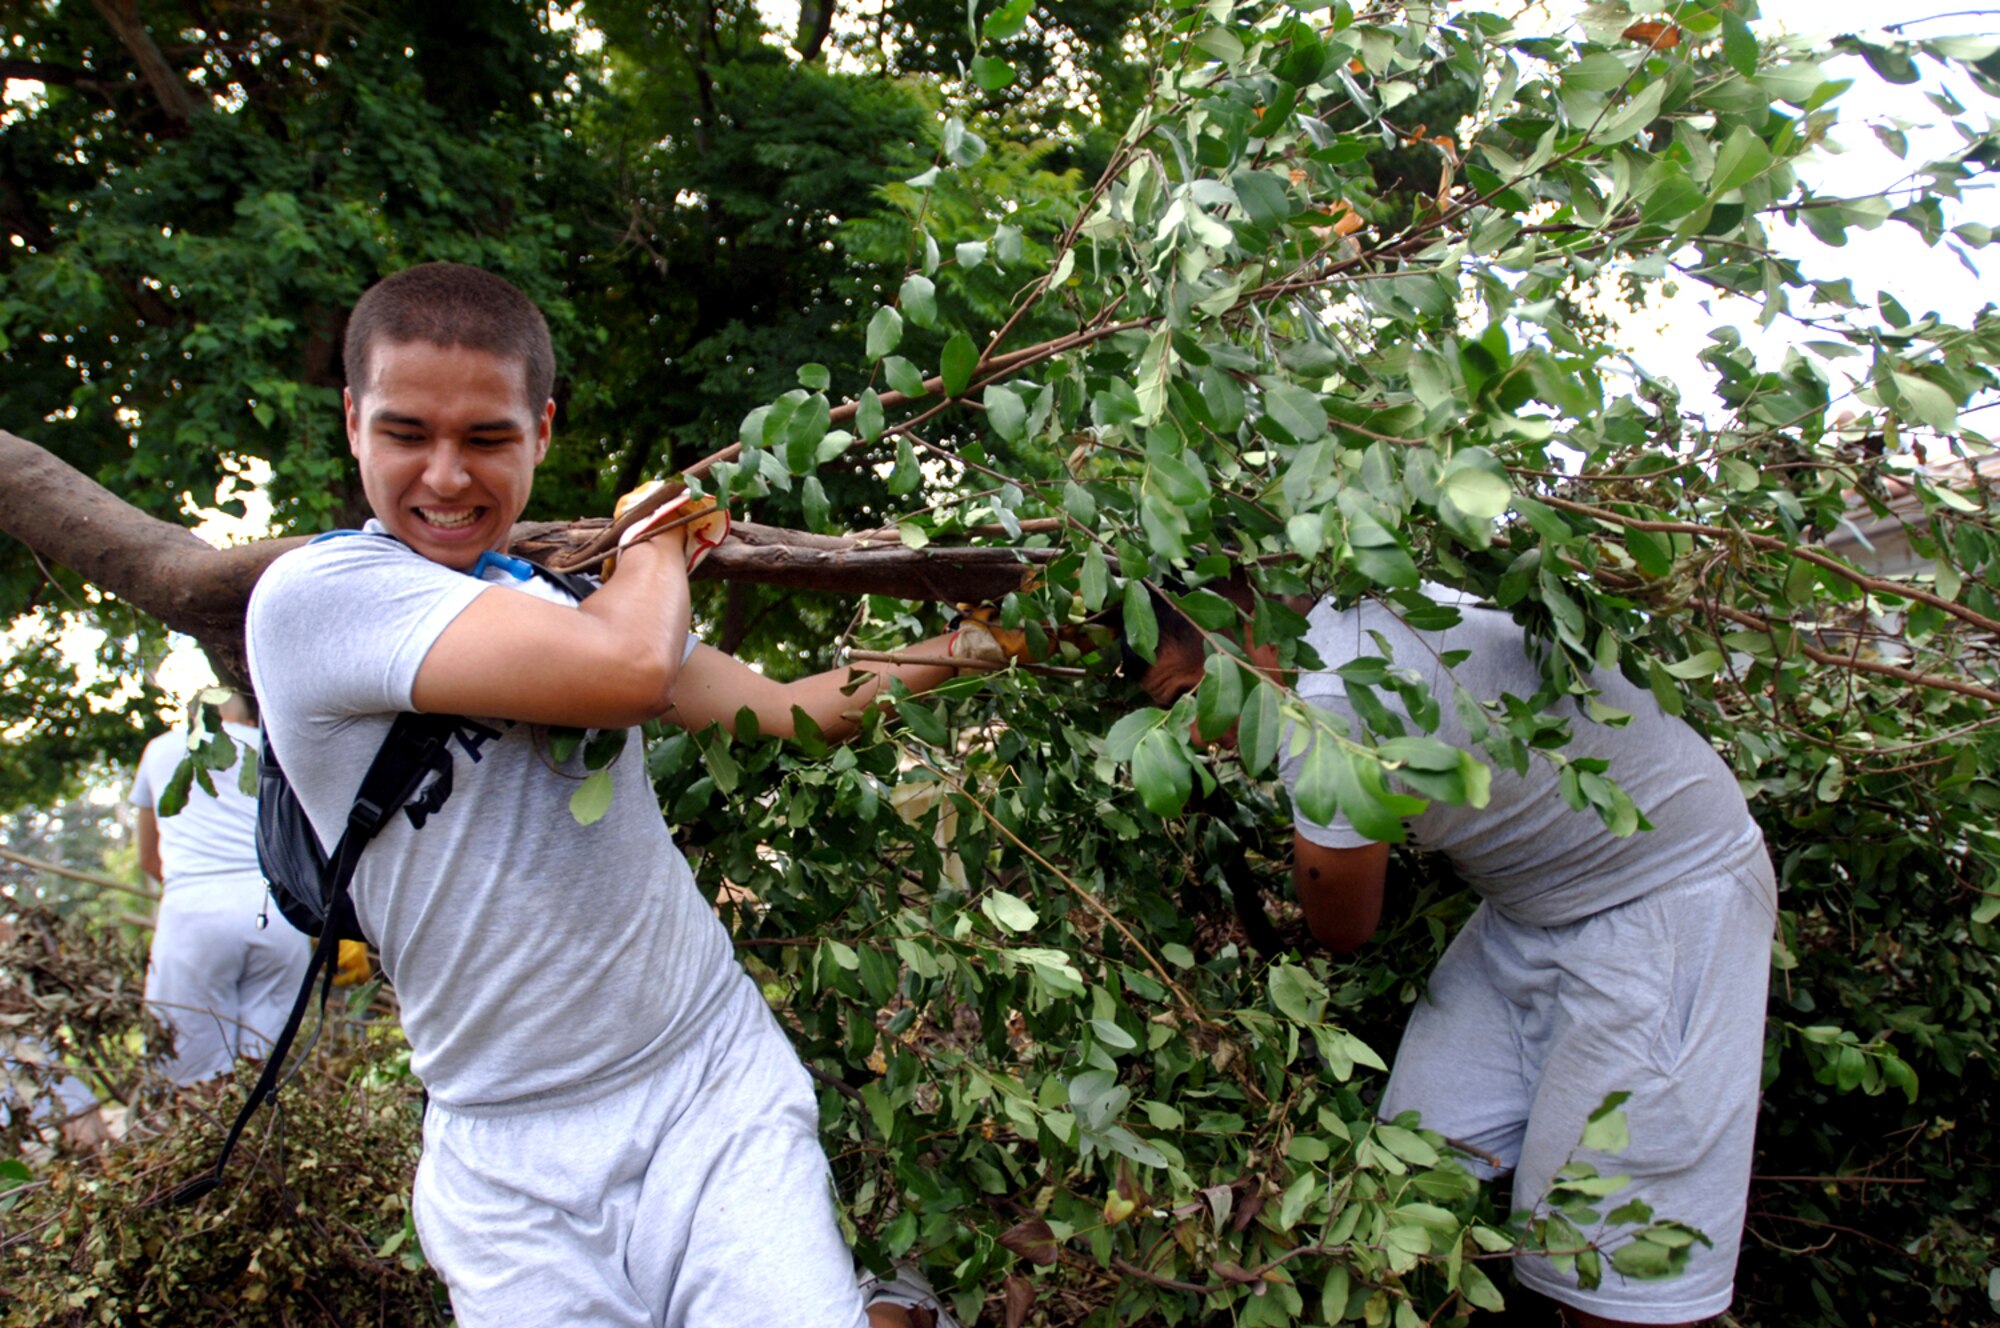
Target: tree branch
[(1900, 589), (169, 88), (165, 571)]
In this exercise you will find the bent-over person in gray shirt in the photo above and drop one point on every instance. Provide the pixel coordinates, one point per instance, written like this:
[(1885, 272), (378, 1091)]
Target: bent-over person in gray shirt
[(1594, 963)]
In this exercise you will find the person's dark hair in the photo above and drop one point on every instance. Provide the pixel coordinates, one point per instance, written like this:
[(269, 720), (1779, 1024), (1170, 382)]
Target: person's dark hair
[(451, 304), (1175, 631)]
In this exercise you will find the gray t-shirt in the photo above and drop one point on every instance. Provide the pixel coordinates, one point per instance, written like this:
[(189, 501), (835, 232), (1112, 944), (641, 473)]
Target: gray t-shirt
[(536, 960), (1526, 851), (213, 838)]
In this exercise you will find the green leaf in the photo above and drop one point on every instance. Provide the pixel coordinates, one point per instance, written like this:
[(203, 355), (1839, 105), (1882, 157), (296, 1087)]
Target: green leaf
[(1259, 726), (813, 503), (927, 722), (1142, 631), (905, 476), (961, 357), (1265, 197), (804, 432), (1317, 792), (592, 798), (1701, 664), (1296, 412), (1006, 23), (904, 377), (1479, 1290), (1928, 402), (919, 300), (1638, 111), (1111, 1036), (868, 415), (1161, 773), (1476, 485), (1009, 912), (173, 798), (1742, 159), (1094, 580), (1668, 194), (1219, 699), (814, 377), (1606, 1130), (1367, 803), (1384, 563), (885, 332), (1739, 47), (1297, 994), (992, 74), (1307, 533), (1006, 412), (1123, 739), (1407, 1145), (1641, 1260)]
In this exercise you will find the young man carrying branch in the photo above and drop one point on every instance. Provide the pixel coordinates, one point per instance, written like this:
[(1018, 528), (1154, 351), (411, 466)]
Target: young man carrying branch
[(618, 1131)]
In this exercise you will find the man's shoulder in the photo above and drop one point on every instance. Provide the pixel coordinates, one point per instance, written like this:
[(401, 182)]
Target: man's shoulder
[(336, 550), (362, 562)]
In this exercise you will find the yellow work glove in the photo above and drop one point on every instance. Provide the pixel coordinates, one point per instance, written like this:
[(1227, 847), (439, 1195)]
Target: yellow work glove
[(353, 968), (702, 522), (976, 634)]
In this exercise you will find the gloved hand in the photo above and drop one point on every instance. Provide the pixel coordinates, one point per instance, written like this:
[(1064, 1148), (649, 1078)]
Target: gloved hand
[(353, 969), (702, 522), (976, 634)]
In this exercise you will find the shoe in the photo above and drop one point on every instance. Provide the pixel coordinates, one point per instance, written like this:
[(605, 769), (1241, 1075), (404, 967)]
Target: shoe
[(908, 1287)]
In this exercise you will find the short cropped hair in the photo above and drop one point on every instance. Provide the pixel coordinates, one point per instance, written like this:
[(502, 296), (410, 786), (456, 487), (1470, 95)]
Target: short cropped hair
[(451, 304), (1174, 630)]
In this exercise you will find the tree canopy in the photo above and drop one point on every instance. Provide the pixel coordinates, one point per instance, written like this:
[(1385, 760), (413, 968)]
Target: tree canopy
[(1151, 295)]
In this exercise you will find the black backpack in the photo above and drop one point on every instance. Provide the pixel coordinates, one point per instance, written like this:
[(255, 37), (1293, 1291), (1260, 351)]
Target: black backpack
[(311, 886)]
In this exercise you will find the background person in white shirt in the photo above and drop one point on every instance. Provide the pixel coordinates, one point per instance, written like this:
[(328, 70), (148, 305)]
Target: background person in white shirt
[(224, 968)]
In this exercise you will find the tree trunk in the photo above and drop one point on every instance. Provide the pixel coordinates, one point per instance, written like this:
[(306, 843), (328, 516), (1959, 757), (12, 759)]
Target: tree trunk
[(164, 570), (176, 98)]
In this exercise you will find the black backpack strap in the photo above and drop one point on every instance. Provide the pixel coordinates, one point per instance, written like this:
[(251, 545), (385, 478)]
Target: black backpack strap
[(414, 747), (579, 586)]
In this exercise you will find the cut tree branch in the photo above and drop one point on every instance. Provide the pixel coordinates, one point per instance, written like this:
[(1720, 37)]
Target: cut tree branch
[(1874, 584), (163, 570)]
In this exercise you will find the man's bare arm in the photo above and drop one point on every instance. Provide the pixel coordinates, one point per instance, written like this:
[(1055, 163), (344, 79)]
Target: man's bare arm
[(713, 687), (1340, 890), (609, 662), (149, 843)]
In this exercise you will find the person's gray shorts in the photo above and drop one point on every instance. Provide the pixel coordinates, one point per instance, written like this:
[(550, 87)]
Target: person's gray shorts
[(1526, 1029), (694, 1197), (223, 983)]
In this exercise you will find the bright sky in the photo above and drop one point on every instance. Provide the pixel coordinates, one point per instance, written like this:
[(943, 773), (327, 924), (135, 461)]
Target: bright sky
[(1890, 257)]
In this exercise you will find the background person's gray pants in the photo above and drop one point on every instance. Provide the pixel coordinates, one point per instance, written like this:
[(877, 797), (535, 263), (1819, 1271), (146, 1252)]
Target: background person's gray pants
[(222, 984), (1526, 1029)]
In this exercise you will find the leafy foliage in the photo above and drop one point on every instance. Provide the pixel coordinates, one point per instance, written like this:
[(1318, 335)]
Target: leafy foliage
[(315, 1225)]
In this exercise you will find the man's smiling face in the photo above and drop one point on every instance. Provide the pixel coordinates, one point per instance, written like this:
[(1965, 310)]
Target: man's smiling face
[(448, 446)]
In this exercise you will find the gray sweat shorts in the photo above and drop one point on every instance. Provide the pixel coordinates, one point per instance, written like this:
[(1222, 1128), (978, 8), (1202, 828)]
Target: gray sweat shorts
[(1526, 1030), (220, 981), (693, 1197)]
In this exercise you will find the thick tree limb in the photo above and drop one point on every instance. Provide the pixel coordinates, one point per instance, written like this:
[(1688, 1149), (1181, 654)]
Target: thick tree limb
[(165, 571), (176, 98)]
